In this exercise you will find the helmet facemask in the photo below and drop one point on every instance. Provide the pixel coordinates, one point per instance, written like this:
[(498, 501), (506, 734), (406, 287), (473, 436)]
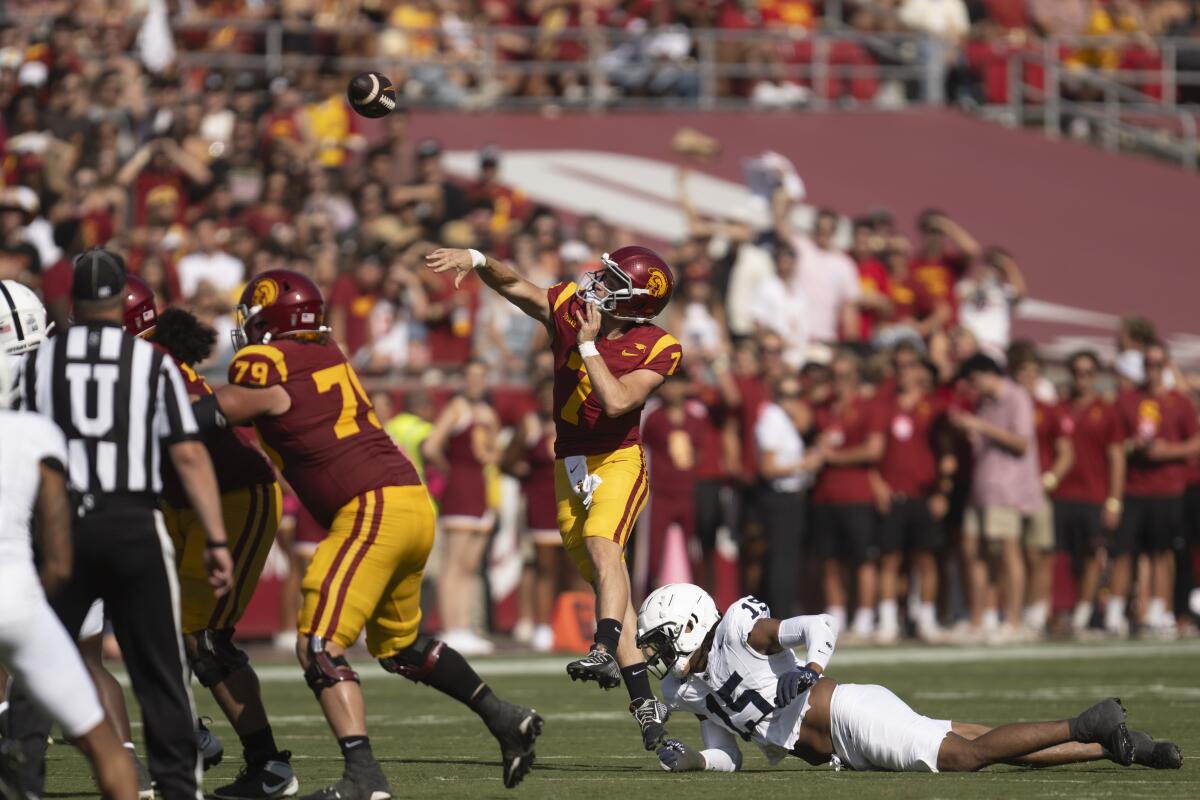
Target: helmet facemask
[(241, 317), (617, 286), (660, 646)]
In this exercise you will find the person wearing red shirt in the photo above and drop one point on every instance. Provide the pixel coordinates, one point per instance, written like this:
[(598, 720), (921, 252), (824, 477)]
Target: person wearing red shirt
[(1056, 455), (671, 433), (719, 454), (1162, 434), (939, 264), (908, 492), (850, 441), (751, 383), (1087, 502), (874, 302), (350, 303), (450, 320)]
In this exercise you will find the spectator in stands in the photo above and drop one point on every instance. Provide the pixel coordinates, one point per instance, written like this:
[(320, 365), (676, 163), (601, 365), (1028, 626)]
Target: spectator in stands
[(509, 206), (1162, 434), (394, 319), (987, 300), (786, 474), (781, 306), (349, 306), (944, 254), (850, 441), (875, 302), (671, 433), (463, 442), (157, 165), (826, 275), (946, 19), (1006, 488), (438, 199), (208, 262), (911, 488), (1087, 502), (1056, 458)]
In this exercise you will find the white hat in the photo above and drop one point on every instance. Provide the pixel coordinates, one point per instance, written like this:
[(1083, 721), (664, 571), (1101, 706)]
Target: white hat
[(33, 73)]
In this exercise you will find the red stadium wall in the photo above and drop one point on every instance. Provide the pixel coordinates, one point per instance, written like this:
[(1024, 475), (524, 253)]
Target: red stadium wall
[(1094, 230)]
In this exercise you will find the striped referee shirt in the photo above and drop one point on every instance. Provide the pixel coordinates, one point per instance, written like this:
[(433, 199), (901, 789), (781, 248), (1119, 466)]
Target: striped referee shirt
[(117, 399)]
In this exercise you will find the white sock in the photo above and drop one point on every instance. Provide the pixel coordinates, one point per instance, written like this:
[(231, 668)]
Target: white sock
[(1082, 615), (1036, 614), (927, 615), (839, 616), (889, 615), (864, 620), (3, 706), (1114, 612), (129, 746), (991, 619), (1156, 611)]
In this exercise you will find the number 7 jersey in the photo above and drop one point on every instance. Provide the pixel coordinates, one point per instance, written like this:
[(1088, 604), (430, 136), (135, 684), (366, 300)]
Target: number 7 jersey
[(582, 427), (737, 691), (329, 444)]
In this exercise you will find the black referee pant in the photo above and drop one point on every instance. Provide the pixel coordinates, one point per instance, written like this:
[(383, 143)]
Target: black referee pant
[(123, 556)]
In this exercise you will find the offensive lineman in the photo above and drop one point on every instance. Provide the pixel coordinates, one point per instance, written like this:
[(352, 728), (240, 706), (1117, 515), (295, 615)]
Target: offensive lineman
[(250, 503), (34, 646), (738, 673), (316, 421), (608, 360)]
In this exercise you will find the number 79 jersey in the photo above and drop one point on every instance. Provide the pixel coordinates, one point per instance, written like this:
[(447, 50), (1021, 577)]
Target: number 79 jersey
[(738, 689), (329, 445), (581, 426)]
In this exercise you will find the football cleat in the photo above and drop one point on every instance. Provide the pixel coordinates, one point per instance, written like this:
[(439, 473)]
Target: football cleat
[(1104, 724), (1155, 754), (651, 715), (598, 665), (145, 781), (210, 747), (270, 779), (516, 729), (359, 782)]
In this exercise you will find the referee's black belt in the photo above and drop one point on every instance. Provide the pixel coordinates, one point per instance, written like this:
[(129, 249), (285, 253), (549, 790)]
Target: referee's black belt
[(88, 503)]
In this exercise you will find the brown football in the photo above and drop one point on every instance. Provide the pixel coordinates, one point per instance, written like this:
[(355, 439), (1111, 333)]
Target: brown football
[(371, 94)]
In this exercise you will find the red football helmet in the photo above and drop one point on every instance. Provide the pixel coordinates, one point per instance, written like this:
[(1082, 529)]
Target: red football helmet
[(141, 314), (278, 303), (636, 284)]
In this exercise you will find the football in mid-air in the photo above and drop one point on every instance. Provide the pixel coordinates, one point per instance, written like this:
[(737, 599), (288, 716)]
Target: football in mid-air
[(371, 94)]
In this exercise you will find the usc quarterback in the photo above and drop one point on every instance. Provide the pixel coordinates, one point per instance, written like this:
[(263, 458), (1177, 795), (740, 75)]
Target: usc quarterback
[(608, 359), (315, 421), (250, 503)]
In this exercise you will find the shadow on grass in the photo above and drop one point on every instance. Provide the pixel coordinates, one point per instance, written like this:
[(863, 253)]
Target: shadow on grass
[(540, 766)]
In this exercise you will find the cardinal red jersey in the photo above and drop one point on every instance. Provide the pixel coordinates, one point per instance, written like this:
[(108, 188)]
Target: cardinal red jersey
[(329, 443), (237, 462), (844, 427), (1094, 429), (1168, 417), (909, 462), (583, 427), (671, 439), (710, 456), (1050, 425), (540, 504)]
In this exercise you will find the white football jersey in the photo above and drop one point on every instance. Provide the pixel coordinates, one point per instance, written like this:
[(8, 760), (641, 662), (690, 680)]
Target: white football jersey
[(738, 690), (25, 441)]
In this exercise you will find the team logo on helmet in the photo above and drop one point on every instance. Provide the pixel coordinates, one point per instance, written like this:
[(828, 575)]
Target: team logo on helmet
[(266, 292), (656, 283)]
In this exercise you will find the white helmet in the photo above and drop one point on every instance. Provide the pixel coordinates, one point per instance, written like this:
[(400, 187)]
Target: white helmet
[(672, 624), (22, 319)]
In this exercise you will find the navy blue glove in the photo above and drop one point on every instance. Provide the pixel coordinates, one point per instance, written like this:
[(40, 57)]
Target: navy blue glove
[(675, 756), (794, 683)]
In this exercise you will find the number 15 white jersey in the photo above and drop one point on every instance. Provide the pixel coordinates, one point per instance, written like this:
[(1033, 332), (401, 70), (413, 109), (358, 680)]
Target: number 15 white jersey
[(738, 689)]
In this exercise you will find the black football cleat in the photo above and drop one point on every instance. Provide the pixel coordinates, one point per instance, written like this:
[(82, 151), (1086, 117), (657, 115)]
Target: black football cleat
[(516, 729), (1104, 723), (651, 715), (359, 782), (210, 747), (599, 666), (267, 780), (1161, 754)]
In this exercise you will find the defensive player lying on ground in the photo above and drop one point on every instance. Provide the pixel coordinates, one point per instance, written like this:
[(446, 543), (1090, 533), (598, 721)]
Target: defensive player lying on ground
[(738, 674)]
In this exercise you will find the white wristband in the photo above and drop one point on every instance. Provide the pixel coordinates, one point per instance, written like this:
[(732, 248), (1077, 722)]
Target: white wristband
[(478, 259), (588, 349)]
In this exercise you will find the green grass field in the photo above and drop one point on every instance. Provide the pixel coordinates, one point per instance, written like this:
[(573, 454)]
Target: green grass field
[(432, 747)]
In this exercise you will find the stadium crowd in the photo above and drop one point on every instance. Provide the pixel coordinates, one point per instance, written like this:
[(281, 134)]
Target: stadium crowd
[(856, 421)]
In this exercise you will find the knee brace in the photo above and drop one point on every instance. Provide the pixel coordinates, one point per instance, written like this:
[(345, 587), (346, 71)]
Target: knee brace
[(216, 656), (324, 670), (416, 661)]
